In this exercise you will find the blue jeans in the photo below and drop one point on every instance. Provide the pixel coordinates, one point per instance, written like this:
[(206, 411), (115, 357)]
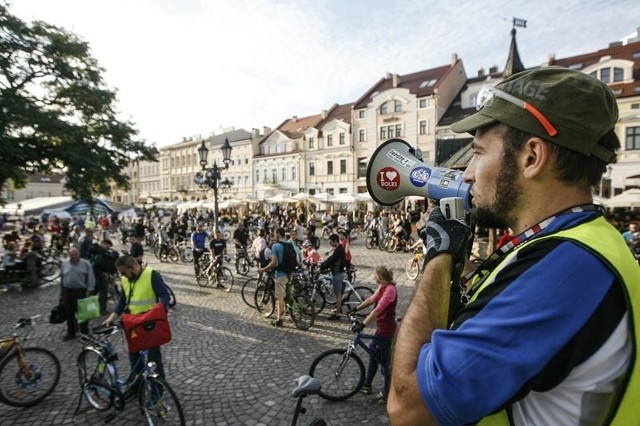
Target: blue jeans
[(383, 346)]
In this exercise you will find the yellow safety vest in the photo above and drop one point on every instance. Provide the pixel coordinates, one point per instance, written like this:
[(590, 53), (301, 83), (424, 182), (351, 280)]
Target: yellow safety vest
[(143, 297), (604, 241)]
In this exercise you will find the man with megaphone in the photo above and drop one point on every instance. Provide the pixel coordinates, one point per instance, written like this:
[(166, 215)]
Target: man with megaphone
[(549, 329)]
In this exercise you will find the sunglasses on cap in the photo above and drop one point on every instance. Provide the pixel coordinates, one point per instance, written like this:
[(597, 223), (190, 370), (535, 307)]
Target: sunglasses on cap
[(488, 93)]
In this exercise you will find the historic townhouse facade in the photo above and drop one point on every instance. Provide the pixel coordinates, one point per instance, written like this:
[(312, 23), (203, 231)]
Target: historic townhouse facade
[(329, 152), (404, 106)]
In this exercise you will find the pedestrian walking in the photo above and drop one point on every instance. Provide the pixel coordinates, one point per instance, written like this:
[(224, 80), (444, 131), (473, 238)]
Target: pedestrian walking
[(76, 281)]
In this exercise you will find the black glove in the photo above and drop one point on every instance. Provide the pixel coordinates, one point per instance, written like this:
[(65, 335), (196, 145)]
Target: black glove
[(446, 236), (357, 327)]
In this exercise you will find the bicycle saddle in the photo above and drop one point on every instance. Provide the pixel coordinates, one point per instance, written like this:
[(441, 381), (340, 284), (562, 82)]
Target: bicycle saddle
[(306, 385)]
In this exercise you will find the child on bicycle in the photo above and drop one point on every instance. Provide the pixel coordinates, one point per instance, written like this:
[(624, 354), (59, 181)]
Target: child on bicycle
[(384, 315)]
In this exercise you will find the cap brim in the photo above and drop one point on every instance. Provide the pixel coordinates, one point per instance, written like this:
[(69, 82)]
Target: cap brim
[(472, 123)]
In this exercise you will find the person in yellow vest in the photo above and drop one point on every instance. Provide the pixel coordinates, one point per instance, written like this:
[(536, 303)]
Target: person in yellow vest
[(547, 328), (142, 288)]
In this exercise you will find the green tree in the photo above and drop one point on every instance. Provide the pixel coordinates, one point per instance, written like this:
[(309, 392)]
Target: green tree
[(56, 112)]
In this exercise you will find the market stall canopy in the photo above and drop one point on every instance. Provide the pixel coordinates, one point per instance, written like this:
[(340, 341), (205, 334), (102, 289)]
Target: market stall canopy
[(324, 197), (629, 198), (346, 198), (35, 206), (302, 196)]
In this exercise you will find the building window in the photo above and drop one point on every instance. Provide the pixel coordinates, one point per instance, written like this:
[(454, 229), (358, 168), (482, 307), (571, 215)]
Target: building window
[(343, 167), (312, 169), (362, 135), (383, 109), (342, 190), (311, 143), (330, 191), (383, 133), (633, 138), (274, 175), (605, 75), (362, 113), (423, 103), (329, 167), (362, 167), (398, 130), (341, 138), (329, 140), (424, 129), (618, 74), (284, 173), (293, 173), (397, 106), (635, 106)]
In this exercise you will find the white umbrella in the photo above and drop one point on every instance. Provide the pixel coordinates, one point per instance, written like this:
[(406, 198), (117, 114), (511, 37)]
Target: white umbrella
[(280, 198), (365, 196), (345, 198), (324, 197), (302, 196), (629, 198)]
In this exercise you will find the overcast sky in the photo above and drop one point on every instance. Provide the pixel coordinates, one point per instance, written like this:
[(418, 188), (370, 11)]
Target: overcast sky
[(188, 67)]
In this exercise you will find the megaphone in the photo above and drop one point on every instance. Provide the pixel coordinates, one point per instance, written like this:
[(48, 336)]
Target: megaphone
[(395, 172)]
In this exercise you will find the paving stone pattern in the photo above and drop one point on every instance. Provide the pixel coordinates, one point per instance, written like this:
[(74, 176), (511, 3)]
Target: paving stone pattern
[(226, 363)]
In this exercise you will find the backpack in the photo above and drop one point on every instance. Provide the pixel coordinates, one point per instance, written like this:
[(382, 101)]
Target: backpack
[(289, 258)]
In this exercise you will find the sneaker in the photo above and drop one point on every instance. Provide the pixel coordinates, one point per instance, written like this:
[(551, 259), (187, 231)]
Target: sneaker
[(220, 286), (380, 399), (333, 317), (277, 323), (366, 389)]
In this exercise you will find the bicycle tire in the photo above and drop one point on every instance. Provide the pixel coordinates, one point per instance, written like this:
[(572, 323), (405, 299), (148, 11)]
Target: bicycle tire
[(329, 293), (49, 271), (158, 402), (392, 246), (242, 266), (368, 243), (226, 278), (173, 255), (264, 300), (202, 278), (412, 269), (248, 292), (341, 376), (186, 254), (317, 296), (92, 371), (356, 296), (301, 311), (19, 391)]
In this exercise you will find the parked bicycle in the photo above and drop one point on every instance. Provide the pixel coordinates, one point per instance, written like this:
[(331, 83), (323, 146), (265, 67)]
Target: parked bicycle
[(351, 296), (102, 387), (27, 375), (306, 386), (341, 370)]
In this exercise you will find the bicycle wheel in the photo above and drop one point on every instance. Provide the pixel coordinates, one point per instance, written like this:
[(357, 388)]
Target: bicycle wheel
[(301, 311), (341, 376), (248, 292), (264, 299), (411, 268), (159, 404), (391, 246), (355, 297), (242, 265), (49, 271), (226, 278), (369, 243), (317, 297), (173, 255), (202, 278), (27, 381), (186, 254), (95, 379), (329, 294)]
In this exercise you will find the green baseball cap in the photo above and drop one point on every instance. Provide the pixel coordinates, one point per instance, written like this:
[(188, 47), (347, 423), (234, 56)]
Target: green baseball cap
[(557, 104)]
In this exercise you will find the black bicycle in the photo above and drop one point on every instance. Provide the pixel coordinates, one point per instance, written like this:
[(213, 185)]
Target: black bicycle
[(341, 371), (244, 262)]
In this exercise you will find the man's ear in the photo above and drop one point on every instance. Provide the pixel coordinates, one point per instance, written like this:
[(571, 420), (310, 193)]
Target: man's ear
[(534, 157)]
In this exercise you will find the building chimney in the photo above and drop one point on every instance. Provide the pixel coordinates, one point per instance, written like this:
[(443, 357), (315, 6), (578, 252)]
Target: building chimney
[(324, 114), (266, 130), (493, 69), (255, 133), (387, 75), (551, 58), (454, 58), (294, 118), (395, 80), (480, 72)]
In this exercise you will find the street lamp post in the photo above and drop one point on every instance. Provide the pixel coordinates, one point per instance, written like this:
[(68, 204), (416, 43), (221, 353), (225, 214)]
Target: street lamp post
[(211, 177)]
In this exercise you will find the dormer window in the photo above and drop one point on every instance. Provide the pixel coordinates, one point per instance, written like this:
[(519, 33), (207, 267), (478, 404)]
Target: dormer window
[(384, 109), (427, 83), (609, 75)]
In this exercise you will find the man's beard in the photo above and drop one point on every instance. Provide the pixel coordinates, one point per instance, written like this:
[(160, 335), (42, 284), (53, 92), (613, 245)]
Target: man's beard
[(508, 192)]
